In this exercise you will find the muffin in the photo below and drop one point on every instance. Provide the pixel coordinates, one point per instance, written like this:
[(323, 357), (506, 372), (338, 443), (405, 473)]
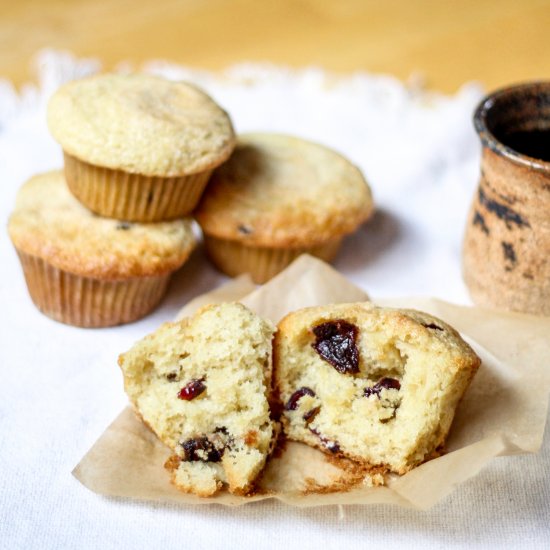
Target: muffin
[(276, 198), (138, 147), (376, 385), (89, 271), (201, 384)]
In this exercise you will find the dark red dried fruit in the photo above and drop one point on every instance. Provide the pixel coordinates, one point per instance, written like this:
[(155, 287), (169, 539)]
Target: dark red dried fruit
[(335, 343), (201, 449), (433, 326), (192, 389), (245, 229), (332, 446), (389, 383), (386, 382), (292, 403), (310, 415)]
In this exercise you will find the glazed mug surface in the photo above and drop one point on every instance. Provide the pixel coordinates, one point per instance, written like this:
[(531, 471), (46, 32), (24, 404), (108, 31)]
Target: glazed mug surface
[(506, 254)]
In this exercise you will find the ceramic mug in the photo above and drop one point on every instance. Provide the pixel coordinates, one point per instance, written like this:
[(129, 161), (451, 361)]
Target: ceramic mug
[(506, 255)]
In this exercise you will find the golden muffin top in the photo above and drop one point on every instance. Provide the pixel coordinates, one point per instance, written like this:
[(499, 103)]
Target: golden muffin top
[(49, 223), (280, 191), (140, 124)]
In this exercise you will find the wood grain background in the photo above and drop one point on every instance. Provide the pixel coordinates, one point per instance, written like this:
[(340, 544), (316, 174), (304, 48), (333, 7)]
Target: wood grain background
[(446, 42)]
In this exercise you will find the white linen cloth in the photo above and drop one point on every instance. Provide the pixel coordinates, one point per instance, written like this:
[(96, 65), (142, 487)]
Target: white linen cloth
[(60, 386)]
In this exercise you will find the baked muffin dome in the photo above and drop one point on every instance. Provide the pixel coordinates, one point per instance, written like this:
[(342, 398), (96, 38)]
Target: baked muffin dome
[(140, 124), (49, 223), (283, 191)]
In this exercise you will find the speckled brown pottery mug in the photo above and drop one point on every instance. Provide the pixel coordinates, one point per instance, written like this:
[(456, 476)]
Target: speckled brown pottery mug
[(506, 259)]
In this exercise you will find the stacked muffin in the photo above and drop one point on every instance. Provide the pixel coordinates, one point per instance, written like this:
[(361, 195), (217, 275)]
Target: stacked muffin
[(98, 243), (140, 150)]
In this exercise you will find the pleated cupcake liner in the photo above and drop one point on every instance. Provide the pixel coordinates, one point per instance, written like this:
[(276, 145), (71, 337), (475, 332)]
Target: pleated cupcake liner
[(133, 197), (89, 302), (262, 263)]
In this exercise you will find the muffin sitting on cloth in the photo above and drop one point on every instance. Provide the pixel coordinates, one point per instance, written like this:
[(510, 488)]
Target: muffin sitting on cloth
[(138, 147), (276, 198), (89, 271)]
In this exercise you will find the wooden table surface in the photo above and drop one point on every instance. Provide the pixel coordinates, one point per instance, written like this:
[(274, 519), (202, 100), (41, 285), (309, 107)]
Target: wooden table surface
[(496, 42)]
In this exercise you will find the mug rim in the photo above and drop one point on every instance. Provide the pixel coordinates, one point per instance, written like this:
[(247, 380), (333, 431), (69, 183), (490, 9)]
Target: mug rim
[(488, 139)]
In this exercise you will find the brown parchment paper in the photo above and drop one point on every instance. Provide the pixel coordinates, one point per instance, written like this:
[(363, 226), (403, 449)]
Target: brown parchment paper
[(503, 412)]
